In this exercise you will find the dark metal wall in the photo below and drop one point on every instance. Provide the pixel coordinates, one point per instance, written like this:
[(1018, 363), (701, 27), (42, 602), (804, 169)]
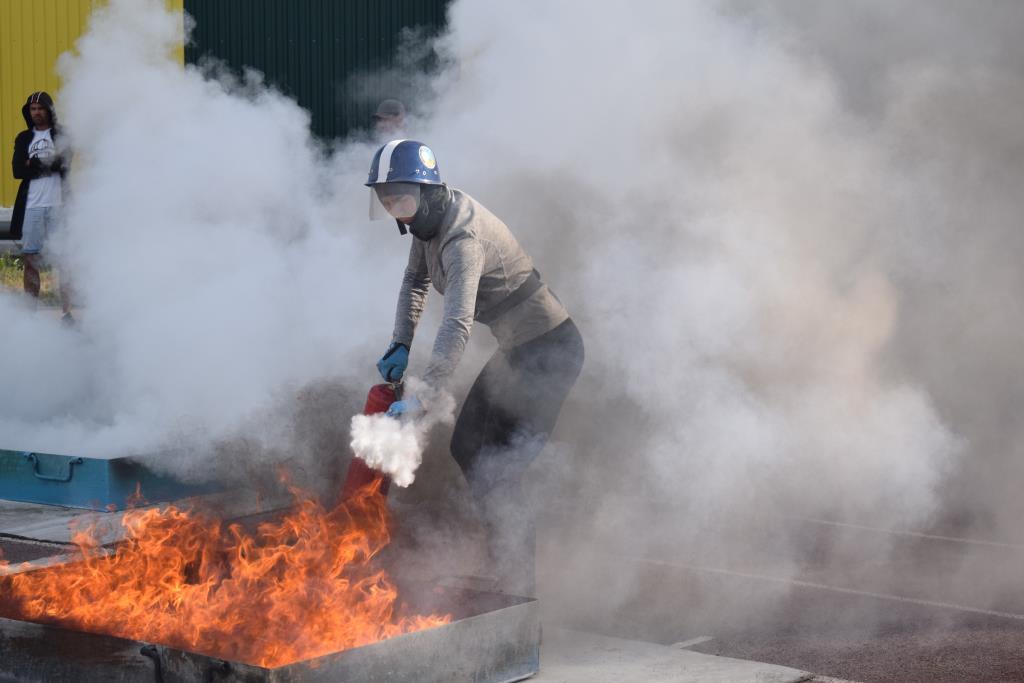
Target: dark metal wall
[(311, 49)]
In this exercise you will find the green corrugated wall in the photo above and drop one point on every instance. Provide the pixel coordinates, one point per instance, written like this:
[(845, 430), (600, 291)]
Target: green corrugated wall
[(310, 48)]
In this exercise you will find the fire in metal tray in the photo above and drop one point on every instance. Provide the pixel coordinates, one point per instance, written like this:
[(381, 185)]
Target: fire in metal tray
[(294, 589)]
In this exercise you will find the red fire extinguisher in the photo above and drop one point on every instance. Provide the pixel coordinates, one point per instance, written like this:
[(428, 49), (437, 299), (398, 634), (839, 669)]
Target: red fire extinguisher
[(360, 474)]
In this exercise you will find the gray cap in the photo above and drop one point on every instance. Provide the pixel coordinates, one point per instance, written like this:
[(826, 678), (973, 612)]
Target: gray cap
[(390, 109)]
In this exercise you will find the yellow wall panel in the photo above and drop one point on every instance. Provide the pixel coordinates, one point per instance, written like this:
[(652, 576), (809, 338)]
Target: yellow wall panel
[(33, 34)]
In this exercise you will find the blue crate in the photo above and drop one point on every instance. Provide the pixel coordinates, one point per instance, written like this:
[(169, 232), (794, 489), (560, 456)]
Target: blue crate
[(89, 483)]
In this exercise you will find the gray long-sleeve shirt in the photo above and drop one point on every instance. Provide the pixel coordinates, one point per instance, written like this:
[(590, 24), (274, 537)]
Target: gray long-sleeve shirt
[(475, 262)]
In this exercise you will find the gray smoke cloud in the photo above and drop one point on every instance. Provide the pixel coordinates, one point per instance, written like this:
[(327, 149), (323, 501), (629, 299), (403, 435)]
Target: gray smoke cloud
[(941, 88), (939, 85), (791, 251), (788, 233), (719, 223)]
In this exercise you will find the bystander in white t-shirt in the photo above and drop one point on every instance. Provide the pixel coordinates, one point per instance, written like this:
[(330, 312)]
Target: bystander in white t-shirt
[(43, 191)]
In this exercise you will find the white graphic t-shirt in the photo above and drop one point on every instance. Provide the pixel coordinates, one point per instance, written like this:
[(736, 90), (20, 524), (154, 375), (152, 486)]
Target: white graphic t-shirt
[(44, 191)]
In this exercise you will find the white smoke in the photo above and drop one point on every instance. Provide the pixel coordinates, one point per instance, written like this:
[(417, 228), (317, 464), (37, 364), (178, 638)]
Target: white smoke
[(389, 445), (718, 223), (790, 250), (737, 202), (395, 445), (220, 259)]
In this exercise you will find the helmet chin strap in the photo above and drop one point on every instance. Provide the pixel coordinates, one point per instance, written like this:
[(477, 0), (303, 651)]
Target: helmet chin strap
[(401, 227)]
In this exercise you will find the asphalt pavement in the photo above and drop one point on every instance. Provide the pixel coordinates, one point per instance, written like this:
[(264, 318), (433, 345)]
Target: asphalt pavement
[(861, 604)]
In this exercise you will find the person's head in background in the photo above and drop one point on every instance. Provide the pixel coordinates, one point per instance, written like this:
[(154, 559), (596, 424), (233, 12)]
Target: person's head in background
[(389, 119)]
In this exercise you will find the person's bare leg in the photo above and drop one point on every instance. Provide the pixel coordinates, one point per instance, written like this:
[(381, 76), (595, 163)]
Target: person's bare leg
[(30, 279), (66, 294)]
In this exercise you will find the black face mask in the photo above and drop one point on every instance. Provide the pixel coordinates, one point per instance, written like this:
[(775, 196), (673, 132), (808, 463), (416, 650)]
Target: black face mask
[(434, 202)]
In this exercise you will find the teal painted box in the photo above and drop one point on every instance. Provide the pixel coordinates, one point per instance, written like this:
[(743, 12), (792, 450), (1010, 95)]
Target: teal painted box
[(89, 483)]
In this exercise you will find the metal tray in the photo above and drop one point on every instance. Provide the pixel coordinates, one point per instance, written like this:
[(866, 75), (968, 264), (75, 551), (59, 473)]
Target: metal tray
[(494, 639)]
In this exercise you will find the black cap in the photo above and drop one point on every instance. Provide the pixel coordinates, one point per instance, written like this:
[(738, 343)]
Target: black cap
[(390, 109)]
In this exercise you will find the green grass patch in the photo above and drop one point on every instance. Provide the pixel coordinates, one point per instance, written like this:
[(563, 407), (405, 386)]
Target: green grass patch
[(11, 273)]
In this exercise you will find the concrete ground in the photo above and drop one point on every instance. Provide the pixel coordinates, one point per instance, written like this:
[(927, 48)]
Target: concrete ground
[(578, 657)]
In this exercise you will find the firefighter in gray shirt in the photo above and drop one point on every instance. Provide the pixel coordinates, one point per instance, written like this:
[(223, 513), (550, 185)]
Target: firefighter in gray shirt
[(475, 262)]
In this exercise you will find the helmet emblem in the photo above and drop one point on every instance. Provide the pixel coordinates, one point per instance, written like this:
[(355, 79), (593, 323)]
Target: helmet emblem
[(427, 157)]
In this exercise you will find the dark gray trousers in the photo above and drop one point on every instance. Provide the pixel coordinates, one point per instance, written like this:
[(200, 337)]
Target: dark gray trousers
[(505, 422)]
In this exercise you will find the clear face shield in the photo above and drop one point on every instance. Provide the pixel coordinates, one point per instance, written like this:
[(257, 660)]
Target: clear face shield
[(397, 200)]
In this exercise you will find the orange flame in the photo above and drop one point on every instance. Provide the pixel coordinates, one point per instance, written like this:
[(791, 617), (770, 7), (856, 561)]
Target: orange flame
[(295, 589)]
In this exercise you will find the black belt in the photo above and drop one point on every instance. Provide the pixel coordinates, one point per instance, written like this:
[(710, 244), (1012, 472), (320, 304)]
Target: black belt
[(522, 293)]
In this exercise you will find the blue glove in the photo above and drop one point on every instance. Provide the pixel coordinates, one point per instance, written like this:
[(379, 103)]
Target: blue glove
[(392, 366), (409, 407)]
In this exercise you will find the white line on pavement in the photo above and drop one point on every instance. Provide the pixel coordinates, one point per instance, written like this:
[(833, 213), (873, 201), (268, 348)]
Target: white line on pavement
[(915, 534), (691, 642)]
